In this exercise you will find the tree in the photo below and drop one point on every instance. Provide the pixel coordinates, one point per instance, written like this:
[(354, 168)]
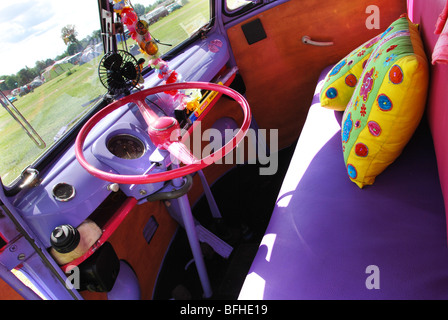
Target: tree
[(25, 75), (96, 34), (3, 85), (69, 34), (11, 82), (139, 9), (73, 48), (41, 65)]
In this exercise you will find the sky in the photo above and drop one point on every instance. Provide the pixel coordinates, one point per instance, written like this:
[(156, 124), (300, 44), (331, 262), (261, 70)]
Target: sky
[(30, 30)]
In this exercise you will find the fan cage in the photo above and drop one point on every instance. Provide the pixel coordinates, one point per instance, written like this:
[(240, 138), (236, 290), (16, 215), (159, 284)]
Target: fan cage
[(118, 71)]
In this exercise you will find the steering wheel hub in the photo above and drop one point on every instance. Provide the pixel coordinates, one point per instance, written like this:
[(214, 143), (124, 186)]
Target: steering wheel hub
[(164, 130), (163, 123)]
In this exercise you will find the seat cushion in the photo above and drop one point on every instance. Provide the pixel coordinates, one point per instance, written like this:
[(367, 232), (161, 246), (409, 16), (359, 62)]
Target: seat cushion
[(329, 239)]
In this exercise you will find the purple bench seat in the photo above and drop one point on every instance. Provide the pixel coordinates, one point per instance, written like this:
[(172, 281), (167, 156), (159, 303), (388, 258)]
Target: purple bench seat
[(329, 239)]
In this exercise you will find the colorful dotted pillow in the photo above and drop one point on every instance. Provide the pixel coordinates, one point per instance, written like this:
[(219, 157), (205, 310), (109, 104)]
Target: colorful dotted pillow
[(341, 80), (387, 103)]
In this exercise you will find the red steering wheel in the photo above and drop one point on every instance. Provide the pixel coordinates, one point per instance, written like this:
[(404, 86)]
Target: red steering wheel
[(164, 133)]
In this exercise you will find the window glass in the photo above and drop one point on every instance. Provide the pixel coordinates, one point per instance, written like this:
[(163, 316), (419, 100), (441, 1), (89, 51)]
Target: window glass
[(49, 53), (49, 56), (233, 5)]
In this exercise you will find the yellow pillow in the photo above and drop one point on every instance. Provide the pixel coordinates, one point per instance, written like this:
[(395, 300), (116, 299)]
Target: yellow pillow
[(341, 80), (387, 104)]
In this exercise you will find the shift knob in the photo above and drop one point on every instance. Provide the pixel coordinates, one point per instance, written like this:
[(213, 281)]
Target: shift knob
[(65, 238)]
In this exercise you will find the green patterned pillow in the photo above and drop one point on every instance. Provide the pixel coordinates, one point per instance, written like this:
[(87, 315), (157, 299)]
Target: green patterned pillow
[(341, 81), (387, 104)]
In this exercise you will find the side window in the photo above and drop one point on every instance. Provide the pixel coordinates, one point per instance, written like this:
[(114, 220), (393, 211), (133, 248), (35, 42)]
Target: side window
[(234, 5)]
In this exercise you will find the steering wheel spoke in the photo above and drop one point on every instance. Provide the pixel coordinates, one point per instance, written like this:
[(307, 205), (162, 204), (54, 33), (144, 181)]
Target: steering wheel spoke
[(146, 112), (180, 151)]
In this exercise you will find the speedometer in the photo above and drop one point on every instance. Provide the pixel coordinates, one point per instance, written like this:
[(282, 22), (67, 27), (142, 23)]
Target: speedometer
[(126, 146), (63, 192)]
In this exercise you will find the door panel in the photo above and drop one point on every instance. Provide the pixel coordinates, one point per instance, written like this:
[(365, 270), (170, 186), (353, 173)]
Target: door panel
[(280, 72)]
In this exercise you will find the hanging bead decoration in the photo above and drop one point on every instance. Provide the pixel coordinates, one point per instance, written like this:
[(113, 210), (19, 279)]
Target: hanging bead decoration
[(139, 32)]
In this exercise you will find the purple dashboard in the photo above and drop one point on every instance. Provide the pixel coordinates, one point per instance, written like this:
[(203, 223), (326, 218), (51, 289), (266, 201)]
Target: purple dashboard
[(44, 210)]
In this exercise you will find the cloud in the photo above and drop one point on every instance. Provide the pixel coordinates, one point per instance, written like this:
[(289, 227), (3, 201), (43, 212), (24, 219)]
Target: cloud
[(24, 20), (13, 9), (31, 30)]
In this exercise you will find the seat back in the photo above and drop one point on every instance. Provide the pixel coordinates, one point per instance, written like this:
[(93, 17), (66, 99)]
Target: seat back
[(425, 13)]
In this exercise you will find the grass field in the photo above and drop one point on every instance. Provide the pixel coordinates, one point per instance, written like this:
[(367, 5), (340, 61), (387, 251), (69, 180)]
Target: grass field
[(64, 98)]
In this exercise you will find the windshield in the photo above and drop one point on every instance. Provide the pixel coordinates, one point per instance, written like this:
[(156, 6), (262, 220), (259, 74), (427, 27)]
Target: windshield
[(49, 56)]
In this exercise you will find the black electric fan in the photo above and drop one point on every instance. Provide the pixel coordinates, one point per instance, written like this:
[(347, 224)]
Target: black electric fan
[(119, 72)]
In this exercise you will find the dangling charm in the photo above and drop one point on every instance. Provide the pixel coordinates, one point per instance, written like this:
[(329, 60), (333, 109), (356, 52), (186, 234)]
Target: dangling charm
[(142, 27), (151, 48)]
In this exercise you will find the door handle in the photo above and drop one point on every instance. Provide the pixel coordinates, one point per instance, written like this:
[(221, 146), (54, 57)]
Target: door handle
[(307, 40)]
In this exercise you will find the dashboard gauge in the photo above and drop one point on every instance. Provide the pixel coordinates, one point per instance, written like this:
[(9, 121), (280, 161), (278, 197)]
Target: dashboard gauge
[(126, 146), (63, 192)]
